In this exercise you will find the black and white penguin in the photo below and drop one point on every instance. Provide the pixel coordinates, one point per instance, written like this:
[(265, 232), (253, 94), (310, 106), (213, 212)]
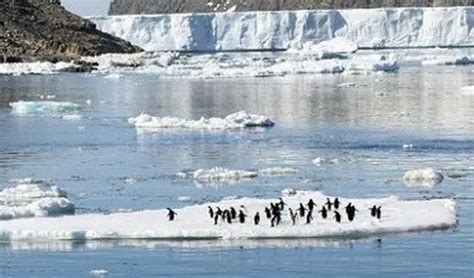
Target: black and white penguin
[(336, 203), (373, 211), (337, 215), (218, 211), (233, 213), (171, 214), (281, 204), (293, 216), (311, 205), (350, 212), (324, 212), (242, 216), (302, 210), (309, 217), (328, 203), (228, 217), (268, 213), (348, 207), (276, 218), (256, 218), (211, 212), (379, 212)]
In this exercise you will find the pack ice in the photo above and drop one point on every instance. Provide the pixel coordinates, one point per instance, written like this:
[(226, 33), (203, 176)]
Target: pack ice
[(194, 222), (369, 28), (23, 108)]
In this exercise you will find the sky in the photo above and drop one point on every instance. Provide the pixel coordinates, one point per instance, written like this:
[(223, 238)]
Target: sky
[(87, 7)]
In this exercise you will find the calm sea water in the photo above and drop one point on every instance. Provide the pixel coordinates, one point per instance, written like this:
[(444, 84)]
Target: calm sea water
[(106, 166)]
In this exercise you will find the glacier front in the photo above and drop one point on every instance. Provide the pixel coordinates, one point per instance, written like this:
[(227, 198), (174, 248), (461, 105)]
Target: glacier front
[(282, 30)]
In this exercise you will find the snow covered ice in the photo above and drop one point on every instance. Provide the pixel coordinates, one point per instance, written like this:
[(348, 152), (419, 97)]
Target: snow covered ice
[(193, 222), (428, 177), (238, 120), (33, 198)]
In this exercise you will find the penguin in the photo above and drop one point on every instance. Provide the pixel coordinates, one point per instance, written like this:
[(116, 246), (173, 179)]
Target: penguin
[(379, 212), (171, 214), (233, 213), (311, 204), (211, 212), (337, 215), (348, 207), (276, 218), (329, 204), (224, 214), (293, 216), (218, 211), (281, 204), (373, 211), (216, 219), (229, 218), (302, 210), (350, 213), (268, 213), (309, 217), (324, 212), (336, 203), (242, 216), (256, 218)]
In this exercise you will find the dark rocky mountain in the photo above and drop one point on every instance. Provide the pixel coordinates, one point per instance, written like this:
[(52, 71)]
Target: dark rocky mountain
[(33, 30), (203, 6)]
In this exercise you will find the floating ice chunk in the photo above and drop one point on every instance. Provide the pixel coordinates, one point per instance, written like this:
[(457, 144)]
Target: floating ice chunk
[(428, 177), (237, 120), (346, 85), (33, 68), (407, 146), (220, 174), (193, 222), (33, 198), (318, 161), (43, 107), (288, 192), (74, 117), (99, 272), (467, 91), (184, 198), (334, 48), (277, 171)]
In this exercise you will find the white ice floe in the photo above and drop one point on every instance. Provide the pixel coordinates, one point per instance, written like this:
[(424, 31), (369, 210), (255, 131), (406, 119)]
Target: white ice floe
[(237, 120), (74, 117), (407, 146), (277, 171), (428, 177), (51, 108), (276, 30), (193, 222), (467, 90), (33, 68), (99, 272), (333, 48), (32, 198)]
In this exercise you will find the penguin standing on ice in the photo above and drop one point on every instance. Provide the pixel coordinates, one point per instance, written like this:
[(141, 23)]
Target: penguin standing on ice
[(302, 210), (379, 212), (351, 212), (233, 213), (256, 218), (268, 213), (324, 212), (171, 214), (211, 212), (281, 204), (293, 216), (276, 218), (337, 215), (348, 207), (218, 211), (216, 219), (373, 211), (242, 216), (311, 204), (309, 217), (328, 203), (228, 217), (336, 203)]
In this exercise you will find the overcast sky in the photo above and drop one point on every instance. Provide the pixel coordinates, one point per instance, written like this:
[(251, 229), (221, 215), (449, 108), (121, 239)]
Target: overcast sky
[(87, 7)]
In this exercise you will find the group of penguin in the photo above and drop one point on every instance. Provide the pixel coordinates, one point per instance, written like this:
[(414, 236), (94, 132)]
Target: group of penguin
[(274, 212)]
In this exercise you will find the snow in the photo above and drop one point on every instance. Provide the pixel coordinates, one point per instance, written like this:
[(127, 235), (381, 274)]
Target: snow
[(23, 108), (275, 30), (467, 90), (33, 68), (428, 177), (237, 120), (193, 222), (33, 198), (333, 48)]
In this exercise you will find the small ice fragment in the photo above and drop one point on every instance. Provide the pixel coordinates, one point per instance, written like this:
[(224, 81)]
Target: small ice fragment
[(72, 117), (184, 198), (428, 177), (288, 192), (99, 272)]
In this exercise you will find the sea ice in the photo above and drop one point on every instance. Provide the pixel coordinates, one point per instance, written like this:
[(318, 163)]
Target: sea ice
[(42, 107), (428, 177)]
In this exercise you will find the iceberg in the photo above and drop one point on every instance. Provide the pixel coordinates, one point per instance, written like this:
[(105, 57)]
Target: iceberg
[(193, 222), (237, 120), (33, 198), (23, 108), (428, 177), (281, 30)]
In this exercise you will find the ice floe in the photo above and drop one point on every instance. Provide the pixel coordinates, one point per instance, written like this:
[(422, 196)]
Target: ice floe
[(193, 222), (48, 108), (428, 177), (33, 198), (333, 48), (467, 90), (33, 68), (237, 120)]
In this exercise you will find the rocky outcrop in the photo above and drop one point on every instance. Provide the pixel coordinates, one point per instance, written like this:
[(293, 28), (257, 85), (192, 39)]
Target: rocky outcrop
[(32, 30), (202, 6)]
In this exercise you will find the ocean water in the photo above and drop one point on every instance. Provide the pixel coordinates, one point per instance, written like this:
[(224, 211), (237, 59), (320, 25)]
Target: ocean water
[(357, 123)]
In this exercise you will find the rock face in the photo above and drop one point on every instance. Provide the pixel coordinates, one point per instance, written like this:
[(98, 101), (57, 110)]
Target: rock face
[(201, 6), (32, 30)]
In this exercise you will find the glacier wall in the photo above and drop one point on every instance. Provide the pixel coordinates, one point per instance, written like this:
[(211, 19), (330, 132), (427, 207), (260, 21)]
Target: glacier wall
[(370, 28)]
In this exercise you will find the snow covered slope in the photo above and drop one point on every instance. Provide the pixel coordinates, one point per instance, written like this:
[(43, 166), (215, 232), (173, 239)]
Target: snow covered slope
[(390, 27), (193, 222)]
